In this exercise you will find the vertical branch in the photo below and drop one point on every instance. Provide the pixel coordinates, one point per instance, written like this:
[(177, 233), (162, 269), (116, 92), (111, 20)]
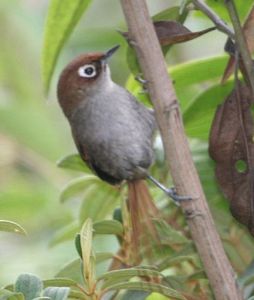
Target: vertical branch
[(185, 177), (241, 42)]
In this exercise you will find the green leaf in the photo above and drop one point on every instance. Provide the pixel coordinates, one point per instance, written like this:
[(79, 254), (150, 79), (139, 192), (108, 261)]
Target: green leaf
[(99, 201), (86, 237), (198, 117), (168, 235), (63, 15), (71, 270), (187, 251), (221, 9), (108, 227), (73, 162), (29, 285), (78, 245), (150, 287), (113, 277), (67, 233), (135, 295), (10, 226), (77, 186), (57, 293), (59, 282), (172, 13), (8, 295), (102, 256)]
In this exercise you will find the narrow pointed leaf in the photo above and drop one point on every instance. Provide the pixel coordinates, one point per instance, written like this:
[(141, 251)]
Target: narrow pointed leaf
[(11, 227), (72, 162), (59, 282), (77, 186), (119, 276), (150, 287), (63, 15)]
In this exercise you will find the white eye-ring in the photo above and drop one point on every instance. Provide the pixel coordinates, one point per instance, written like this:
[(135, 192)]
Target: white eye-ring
[(88, 71)]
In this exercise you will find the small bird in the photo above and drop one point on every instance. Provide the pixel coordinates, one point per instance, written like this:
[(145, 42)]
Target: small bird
[(113, 132)]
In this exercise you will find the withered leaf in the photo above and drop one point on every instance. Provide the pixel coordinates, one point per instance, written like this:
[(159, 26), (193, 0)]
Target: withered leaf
[(173, 32), (232, 148), (248, 31)]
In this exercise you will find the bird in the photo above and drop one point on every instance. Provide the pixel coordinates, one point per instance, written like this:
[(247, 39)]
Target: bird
[(112, 130)]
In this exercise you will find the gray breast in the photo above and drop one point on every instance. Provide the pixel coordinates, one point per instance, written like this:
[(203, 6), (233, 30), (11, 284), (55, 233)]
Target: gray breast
[(116, 131)]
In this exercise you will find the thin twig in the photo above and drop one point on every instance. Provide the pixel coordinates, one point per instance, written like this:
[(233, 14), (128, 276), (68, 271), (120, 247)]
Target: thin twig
[(241, 43), (184, 174), (219, 23)]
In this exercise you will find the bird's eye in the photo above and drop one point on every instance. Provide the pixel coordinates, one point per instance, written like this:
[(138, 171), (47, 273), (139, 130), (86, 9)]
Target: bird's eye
[(88, 71)]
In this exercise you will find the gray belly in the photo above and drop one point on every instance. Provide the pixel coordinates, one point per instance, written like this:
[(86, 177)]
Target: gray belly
[(117, 138)]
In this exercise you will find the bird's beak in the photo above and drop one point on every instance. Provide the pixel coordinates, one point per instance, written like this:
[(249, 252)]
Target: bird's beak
[(110, 52)]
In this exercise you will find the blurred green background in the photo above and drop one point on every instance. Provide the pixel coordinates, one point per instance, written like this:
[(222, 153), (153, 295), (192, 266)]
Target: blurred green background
[(34, 133)]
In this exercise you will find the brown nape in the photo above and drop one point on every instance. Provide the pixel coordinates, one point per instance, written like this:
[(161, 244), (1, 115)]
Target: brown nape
[(70, 82)]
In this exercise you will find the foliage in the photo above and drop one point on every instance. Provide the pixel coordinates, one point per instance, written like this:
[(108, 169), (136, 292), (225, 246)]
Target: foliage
[(177, 271)]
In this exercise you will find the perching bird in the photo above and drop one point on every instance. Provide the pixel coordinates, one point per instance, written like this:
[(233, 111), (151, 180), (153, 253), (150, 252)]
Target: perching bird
[(113, 132)]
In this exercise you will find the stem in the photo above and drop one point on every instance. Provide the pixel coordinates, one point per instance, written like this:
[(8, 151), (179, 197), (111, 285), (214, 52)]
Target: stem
[(219, 23), (241, 42), (185, 177)]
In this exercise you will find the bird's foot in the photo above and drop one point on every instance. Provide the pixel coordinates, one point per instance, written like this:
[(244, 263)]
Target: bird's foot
[(143, 82), (171, 192)]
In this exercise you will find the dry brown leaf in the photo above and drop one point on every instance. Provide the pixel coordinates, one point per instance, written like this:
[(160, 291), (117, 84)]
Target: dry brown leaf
[(172, 32), (232, 147), (248, 31)]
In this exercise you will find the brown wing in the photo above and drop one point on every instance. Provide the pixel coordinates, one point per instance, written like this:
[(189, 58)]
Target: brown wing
[(92, 164)]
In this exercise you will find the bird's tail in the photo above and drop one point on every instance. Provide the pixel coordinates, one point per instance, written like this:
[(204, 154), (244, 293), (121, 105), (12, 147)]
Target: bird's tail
[(142, 212)]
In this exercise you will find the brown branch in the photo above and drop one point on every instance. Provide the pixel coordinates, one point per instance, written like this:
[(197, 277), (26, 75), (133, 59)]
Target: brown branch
[(241, 43), (218, 22), (185, 177)]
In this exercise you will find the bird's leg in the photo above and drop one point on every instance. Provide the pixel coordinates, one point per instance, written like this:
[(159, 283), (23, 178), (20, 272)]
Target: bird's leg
[(171, 192)]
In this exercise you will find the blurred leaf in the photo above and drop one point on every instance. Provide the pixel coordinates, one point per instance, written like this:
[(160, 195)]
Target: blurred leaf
[(117, 276), (172, 13), (29, 285), (73, 162), (135, 295), (108, 227), (11, 227), (187, 251), (198, 118), (59, 282), (77, 186), (150, 287), (72, 271), (57, 293), (100, 199), (168, 235), (66, 233), (102, 256), (63, 15), (7, 295), (78, 245)]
